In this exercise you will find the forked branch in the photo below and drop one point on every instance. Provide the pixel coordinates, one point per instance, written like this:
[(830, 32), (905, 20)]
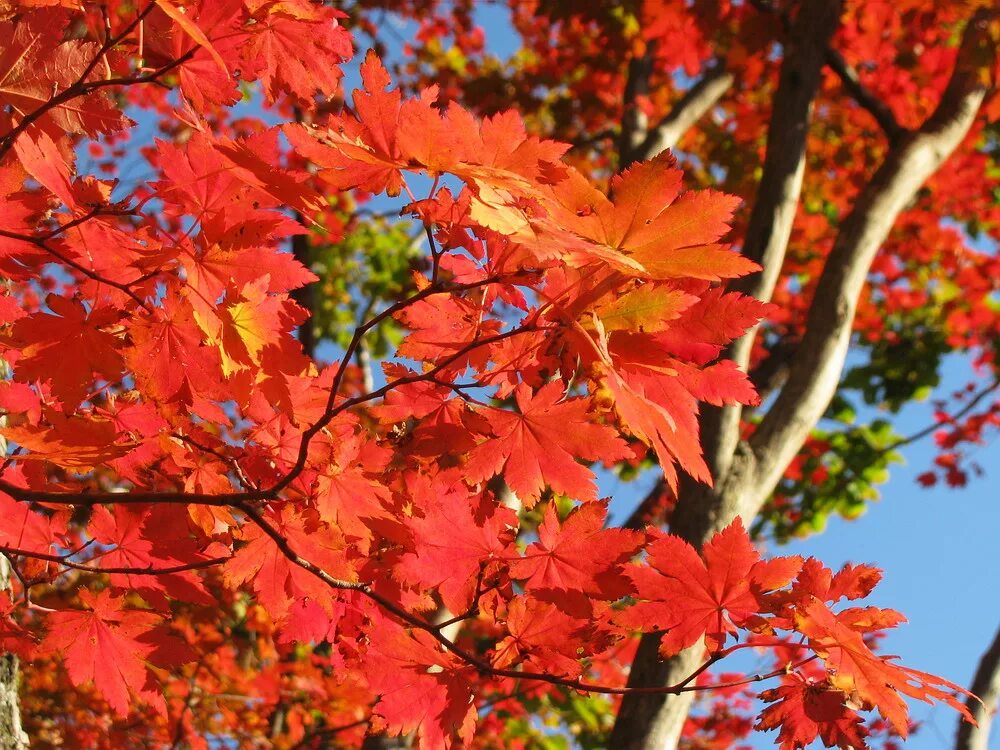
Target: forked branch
[(818, 365)]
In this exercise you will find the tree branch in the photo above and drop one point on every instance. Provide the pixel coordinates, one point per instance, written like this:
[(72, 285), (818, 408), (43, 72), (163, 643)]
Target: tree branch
[(148, 570), (966, 409), (682, 685), (777, 199), (332, 409), (634, 120), (876, 107), (985, 685), (690, 108), (850, 80), (817, 368)]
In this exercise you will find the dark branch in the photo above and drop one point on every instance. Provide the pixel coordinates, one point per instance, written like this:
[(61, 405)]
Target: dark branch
[(876, 107)]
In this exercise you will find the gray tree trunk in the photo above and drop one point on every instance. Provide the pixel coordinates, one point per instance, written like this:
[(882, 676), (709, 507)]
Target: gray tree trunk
[(12, 734), (746, 472), (986, 686)]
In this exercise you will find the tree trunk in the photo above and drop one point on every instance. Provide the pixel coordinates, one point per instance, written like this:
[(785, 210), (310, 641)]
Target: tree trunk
[(986, 686), (12, 734), (654, 722), (747, 472)]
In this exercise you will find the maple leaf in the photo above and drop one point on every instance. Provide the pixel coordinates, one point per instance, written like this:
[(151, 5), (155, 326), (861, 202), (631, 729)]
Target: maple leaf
[(75, 442), (67, 348), (420, 687), (501, 143), (854, 669), (168, 359), (205, 77), (542, 635), (246, 322), (110, 647), (36, 64), (25, 529), (203, 181), (441, 326), (133, 532), (360, 152), (715, 320), (691, 597), (297, 50), (277, 581), (209, 273), (254, 160), (712, 262), (49, 162), (804, 710), (851, 582), (672, 433), (646, 309), (647, 223), (348, 494), (180, 17), (454, 539), (677, 243), (577, 559), (720, 384), (14, 639), (542, 443)]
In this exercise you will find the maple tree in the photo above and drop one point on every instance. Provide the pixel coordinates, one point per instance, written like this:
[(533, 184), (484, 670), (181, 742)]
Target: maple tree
[(215, 536)]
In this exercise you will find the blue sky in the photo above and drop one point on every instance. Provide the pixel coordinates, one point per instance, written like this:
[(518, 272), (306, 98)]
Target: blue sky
[(939, 552)]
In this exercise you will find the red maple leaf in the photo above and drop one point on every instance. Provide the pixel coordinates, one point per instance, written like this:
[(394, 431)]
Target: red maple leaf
[(421, 688), (442, 326), (25, 529), (578, 559), (67, 348), (134, 532), (667, 237), (161, 343), (277, 580), (36, 64), (111, 647), (691, 597), (78, 442), (543, 636), (804, 710), (454, 539), (542, 443), (360, 152), (297, 48), (855, 670)]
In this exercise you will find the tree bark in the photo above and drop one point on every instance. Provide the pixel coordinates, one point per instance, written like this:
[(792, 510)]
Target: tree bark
[(635, 124), (12, 734), (652, 722), (747, 472), (817, 366), (690, 108), (305, 295), (985, 685)]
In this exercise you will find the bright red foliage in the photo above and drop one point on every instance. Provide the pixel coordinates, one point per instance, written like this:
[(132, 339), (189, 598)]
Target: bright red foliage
[(196, 508)]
